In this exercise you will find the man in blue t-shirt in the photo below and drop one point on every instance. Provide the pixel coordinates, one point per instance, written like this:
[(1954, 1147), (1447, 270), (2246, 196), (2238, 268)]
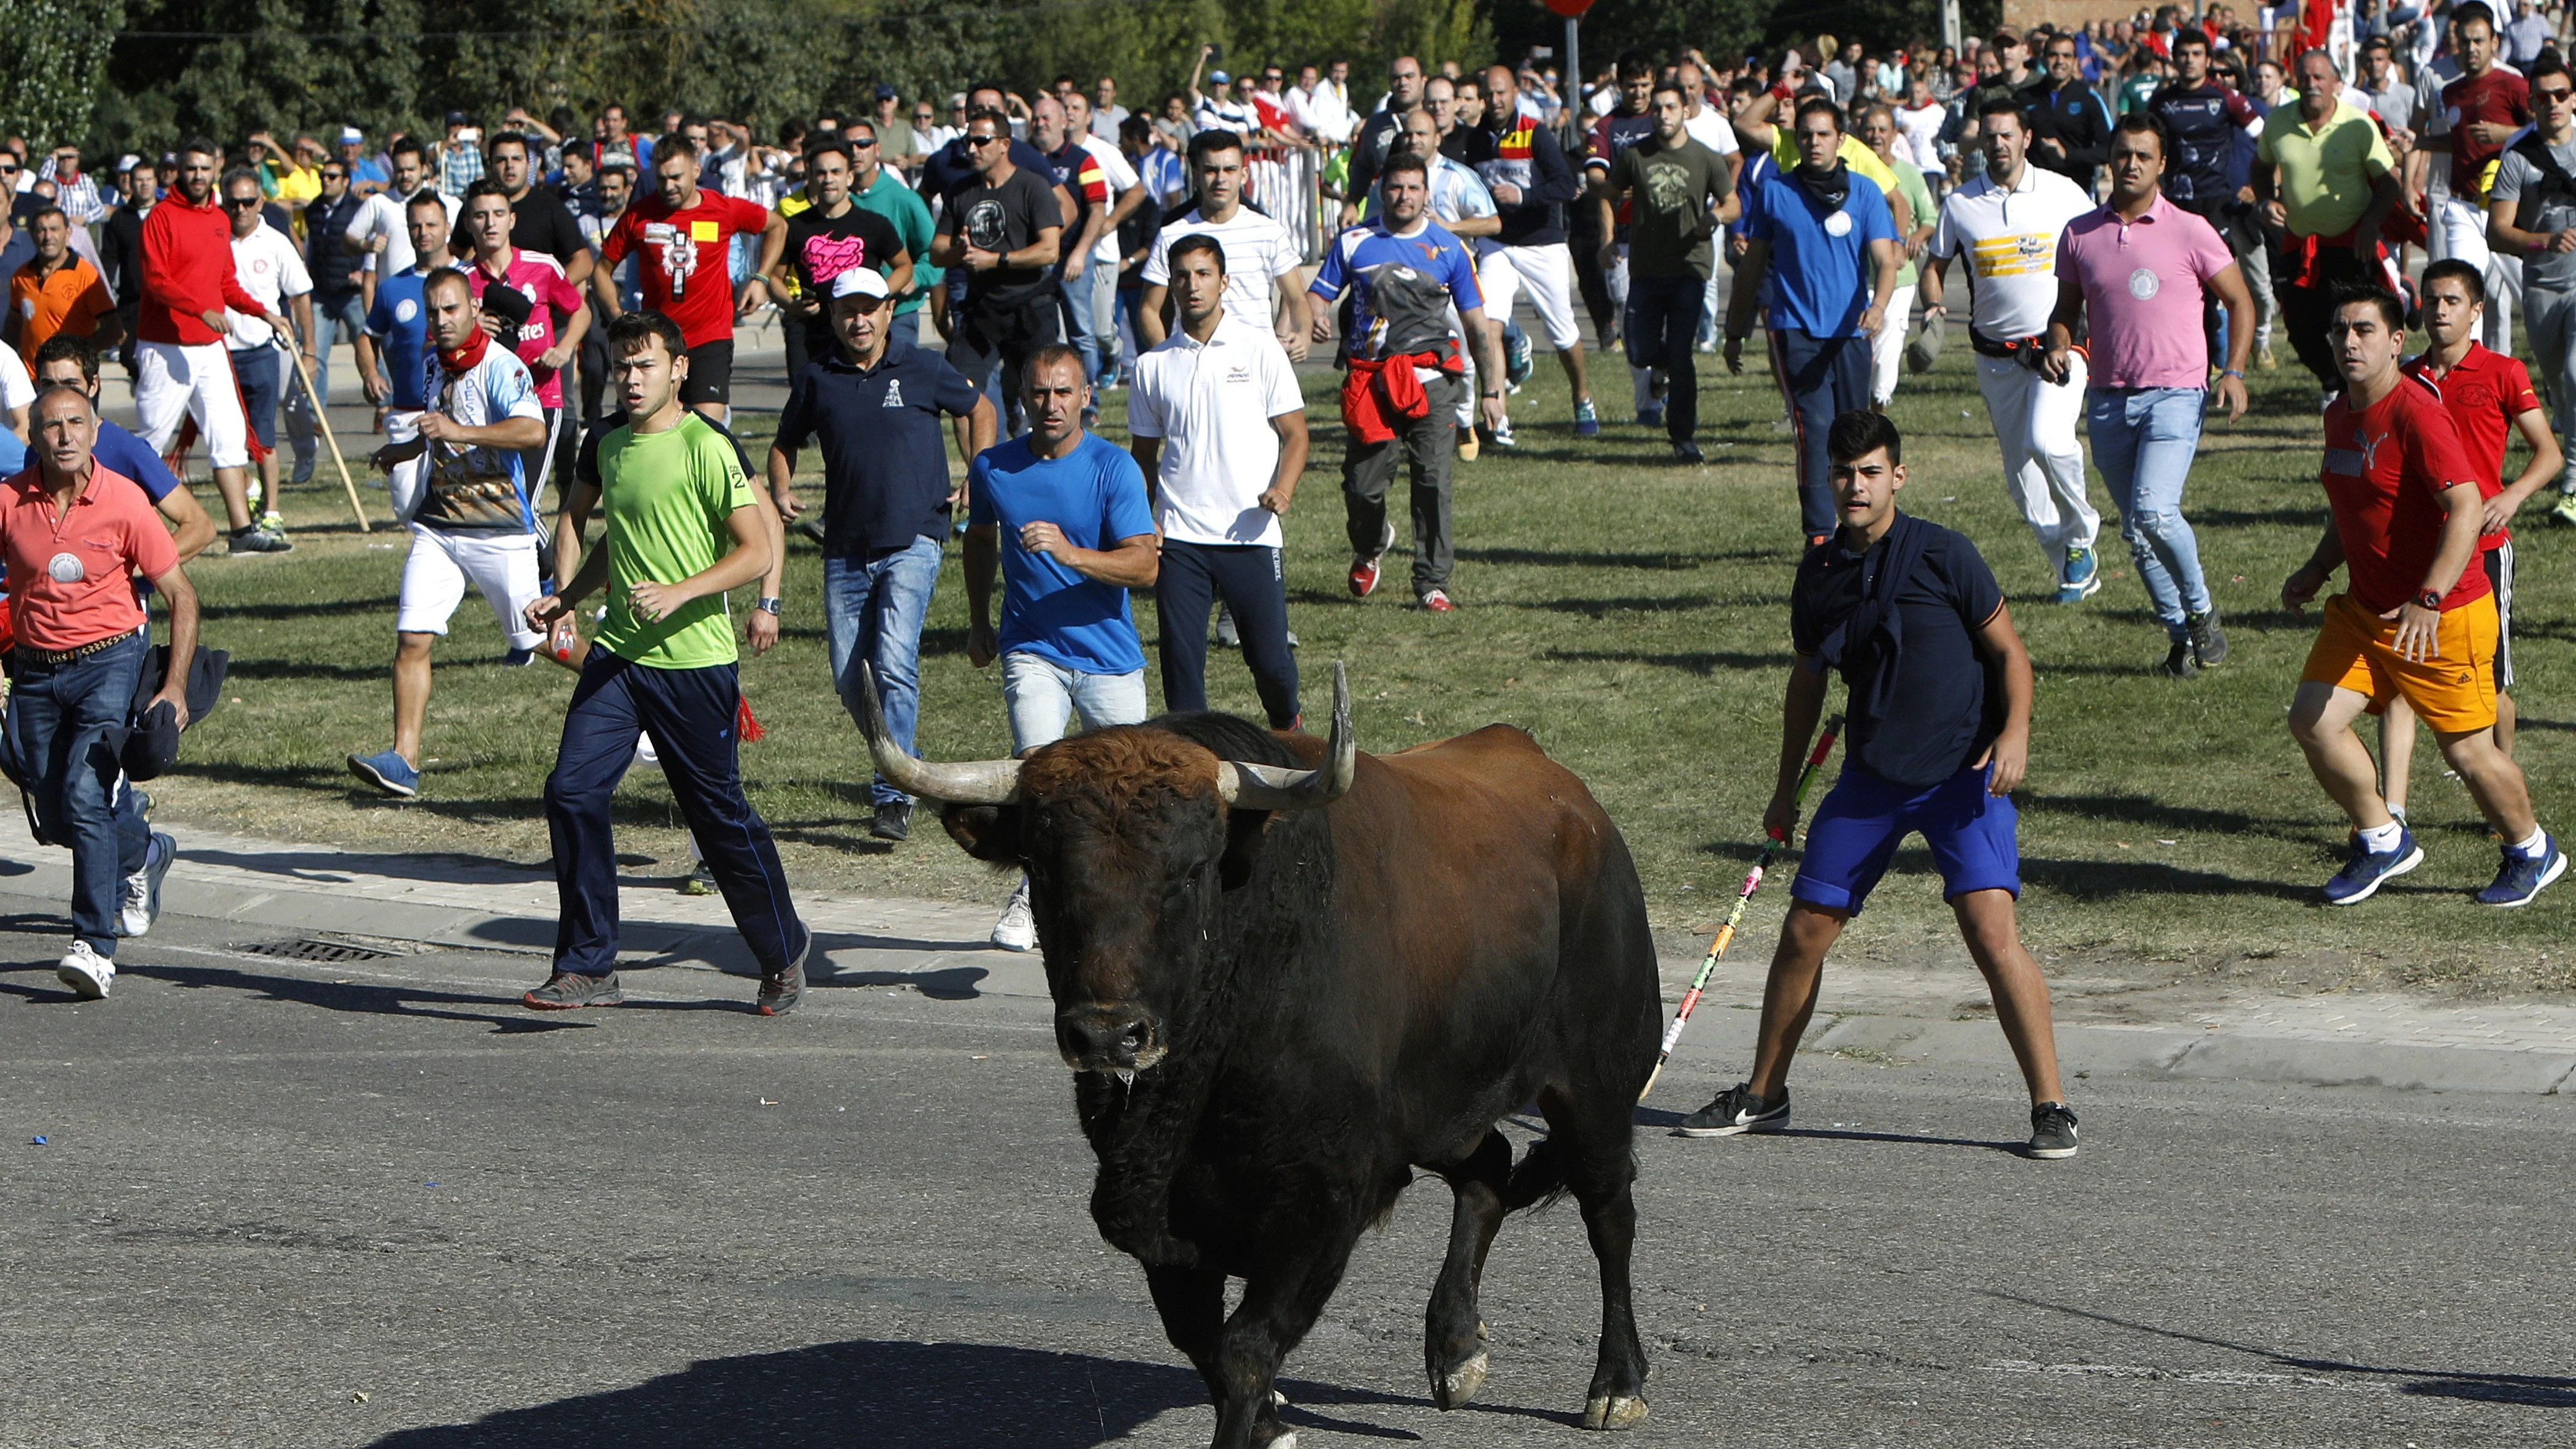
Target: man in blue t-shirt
[(1825, 237), (1939, 692), (68, 361), (1081, 535), (1407, 375), (393, 353)]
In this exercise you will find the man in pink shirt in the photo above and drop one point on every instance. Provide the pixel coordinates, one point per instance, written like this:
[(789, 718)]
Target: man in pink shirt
[(2140, 267), (75, 535), (547, 310)]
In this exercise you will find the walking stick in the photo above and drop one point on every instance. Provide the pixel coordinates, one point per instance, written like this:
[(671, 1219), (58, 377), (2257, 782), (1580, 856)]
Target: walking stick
[(295, 350), (1752, 882)]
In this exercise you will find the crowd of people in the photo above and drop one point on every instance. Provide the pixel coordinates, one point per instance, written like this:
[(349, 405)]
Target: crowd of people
[(553, 307)]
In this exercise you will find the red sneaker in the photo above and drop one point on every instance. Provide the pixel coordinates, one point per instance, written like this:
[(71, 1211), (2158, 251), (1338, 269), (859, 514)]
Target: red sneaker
[(1437, 602), (1363, 577)]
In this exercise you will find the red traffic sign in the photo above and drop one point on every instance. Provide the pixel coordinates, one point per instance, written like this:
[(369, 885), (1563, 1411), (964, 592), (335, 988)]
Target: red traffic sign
[(1570, 9)]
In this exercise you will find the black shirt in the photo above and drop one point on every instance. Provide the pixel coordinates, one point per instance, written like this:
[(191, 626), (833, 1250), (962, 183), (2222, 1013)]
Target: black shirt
[(1003, 218), (885, 453), (541, 223), (821, 248), (120, 246), (1948, 703), (327, 253)]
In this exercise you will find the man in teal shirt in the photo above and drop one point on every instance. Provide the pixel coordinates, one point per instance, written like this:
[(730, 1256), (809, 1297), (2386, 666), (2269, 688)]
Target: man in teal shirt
[(683, 528)]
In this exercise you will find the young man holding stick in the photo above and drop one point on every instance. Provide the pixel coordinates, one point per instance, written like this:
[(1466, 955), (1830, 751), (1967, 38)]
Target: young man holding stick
[(1939, 710)]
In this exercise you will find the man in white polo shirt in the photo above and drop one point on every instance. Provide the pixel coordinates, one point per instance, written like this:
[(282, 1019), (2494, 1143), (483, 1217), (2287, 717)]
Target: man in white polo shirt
[(1219, 429), (1261, 258), (2008, 222)]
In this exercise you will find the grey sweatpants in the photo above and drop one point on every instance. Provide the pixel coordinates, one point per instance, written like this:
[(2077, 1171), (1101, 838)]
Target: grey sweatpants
[(1427, 446), (2550, 317)]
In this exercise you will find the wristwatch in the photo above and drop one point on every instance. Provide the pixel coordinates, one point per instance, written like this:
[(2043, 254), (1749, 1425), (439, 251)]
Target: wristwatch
[(769, 606), (2429, 600)]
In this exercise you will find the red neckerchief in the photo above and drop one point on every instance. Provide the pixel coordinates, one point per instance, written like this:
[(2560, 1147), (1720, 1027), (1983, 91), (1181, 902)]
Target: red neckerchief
[(463, 358)]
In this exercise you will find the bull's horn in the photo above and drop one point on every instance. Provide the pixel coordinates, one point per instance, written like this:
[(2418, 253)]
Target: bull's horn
[(1269, 787), (975, 782)]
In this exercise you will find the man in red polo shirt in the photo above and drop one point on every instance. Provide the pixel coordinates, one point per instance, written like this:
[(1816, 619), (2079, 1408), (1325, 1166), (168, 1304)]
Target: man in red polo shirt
[(180, 370), (75, 535), (682, 240)]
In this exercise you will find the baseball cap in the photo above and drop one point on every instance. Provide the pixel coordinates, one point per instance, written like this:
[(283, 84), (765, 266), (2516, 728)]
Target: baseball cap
[(352, 136), (456, 118), (860, 282), (885, 92), (1220, 77)]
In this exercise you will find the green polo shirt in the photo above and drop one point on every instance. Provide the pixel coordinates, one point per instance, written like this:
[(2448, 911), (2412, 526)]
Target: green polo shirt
[(2326, 171)]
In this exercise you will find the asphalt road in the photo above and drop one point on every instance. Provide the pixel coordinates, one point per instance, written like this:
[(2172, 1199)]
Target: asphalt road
[(287, 1203)]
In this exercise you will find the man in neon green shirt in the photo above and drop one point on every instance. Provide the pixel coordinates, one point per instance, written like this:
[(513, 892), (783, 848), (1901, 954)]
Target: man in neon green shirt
[(683, 528)]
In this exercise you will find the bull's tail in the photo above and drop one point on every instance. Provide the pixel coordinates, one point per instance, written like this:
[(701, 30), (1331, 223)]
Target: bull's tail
[(1539, 1179)]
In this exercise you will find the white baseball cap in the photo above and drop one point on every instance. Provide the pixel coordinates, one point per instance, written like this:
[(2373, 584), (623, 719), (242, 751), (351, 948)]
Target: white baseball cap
[(860, 282)]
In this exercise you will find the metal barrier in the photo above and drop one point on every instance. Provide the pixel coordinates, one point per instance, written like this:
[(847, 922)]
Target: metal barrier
[(1287, 185)]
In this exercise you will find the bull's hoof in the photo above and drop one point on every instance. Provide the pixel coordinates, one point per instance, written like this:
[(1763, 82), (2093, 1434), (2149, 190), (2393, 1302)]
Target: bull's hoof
[(1614, 1412), (1457, 1388)]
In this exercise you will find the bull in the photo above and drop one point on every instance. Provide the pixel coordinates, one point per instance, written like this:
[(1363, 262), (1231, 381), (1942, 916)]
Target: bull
[(1286, 974)]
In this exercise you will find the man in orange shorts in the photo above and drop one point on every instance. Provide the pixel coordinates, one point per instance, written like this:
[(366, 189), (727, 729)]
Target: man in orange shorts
[(2419, 620)]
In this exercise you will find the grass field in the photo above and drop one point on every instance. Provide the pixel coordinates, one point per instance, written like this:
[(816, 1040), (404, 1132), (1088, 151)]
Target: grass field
[(1633, 615)]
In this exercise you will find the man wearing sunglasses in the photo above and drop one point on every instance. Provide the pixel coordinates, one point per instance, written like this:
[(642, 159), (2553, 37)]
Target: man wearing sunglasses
[(802, 254), (2326, 176), (2531, 212), (271, 270), (339, 299), (1006, 232)]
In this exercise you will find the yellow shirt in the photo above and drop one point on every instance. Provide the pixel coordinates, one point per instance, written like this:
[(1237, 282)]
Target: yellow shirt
[(2326, 171)]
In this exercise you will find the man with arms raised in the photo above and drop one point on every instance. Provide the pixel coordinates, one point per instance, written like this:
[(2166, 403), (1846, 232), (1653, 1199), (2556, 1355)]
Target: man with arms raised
[(874, 404), (682, 239), (1405, 274), (1940, 690), (1261, 258), (2418, 621), (1063, 513), (683, 528), (2006, 223), (75, 536), (1219, 429)]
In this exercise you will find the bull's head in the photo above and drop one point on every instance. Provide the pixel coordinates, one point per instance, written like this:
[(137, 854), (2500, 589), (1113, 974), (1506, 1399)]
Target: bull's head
[(1128, 835)]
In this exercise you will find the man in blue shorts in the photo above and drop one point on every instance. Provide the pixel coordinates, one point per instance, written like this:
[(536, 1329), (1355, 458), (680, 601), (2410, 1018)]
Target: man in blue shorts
[(1939, 705)]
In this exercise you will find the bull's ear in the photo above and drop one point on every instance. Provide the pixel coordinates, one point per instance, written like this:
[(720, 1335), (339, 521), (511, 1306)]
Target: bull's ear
[(1244, 832), (990, 833)]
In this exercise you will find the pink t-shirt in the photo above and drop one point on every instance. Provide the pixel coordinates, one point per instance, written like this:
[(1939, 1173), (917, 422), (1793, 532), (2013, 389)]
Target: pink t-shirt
[(2143, 282), (551, 303)]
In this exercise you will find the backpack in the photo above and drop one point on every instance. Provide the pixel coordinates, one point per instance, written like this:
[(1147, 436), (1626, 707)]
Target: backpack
[(2555, 183)]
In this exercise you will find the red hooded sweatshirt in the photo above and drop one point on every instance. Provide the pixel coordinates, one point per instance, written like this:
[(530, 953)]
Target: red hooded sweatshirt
[(188, 272)]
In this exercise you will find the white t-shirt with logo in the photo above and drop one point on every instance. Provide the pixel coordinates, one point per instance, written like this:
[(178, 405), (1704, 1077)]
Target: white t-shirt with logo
[(1211, 403), (1258, 251), (270, 268), (388, 216), (2010, 238)]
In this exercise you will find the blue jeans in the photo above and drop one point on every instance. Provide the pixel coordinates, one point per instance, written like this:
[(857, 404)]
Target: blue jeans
[(58, 720), (335, 320), (1039, 695), (259, 370), (872, 614), (2143, 441)]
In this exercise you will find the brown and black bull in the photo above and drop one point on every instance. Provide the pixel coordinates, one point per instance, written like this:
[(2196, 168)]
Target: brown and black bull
[(1287, 974)]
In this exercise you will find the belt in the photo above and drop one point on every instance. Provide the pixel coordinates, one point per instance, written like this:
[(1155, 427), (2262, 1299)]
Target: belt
[(57, 658), (2025, 350)]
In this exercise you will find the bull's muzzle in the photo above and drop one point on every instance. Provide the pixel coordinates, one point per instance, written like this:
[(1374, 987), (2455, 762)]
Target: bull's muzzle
[(1114, 1037)]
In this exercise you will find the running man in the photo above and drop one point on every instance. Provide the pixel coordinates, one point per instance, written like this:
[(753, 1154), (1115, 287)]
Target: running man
[(1527, 174), (682, 239), (1939, 739), (2007, 223), (2418, 620), (537, 314), (684, 527), (2532, 212), (2149, 365), (461, 482), (2480, 112), (2489, 397), (68, 361), (1677, 194), (1261, 258)]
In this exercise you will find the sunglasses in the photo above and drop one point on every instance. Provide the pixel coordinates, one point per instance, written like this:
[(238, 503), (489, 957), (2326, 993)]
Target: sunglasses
[(2555, 98), (11, 169), (982, 140), (241, 203), (334, 175), (862, 142)]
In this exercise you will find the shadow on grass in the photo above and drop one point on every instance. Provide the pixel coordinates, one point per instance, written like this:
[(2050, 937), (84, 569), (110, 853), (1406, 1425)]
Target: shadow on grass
[(1703, 663), (2308, 518), (2099, 880), (2538, 1391), (1642, 604), (304, 609), (375, 671), (1562, 558), (2142, 810)]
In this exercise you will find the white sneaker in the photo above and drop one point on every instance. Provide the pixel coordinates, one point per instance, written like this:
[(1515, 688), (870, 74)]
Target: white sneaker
[(86, 972), (134, 911), (1018, 928)]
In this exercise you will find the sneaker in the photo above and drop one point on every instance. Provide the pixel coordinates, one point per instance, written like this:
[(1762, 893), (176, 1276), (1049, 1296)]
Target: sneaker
[(1503, 435), (1436, 601), (700, 881), (2082, 578), (1737, 1111), (1364, 566), (1227, 636), (2363, 875), (1517, 367), (142, 903), (893, 820), (1651, 416), (273, 522), (2565, 511), (1017, 930), (1687, 451), (570, 991), (256, 540), (780, 990), (2178, 663), (1468, 447), (86, 972), (2265, 361), (388, 772), (518, 659), (2052, 1131), (2208, 641), (2524, 876), (1587, 423)]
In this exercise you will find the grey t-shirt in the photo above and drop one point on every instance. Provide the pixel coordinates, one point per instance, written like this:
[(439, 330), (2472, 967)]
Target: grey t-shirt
[(2550, 271)]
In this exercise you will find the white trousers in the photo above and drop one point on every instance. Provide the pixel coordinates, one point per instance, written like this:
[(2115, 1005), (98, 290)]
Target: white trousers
[(1887, 350), (503, 569), (1548, 272), (2043, 464), (172, 382)]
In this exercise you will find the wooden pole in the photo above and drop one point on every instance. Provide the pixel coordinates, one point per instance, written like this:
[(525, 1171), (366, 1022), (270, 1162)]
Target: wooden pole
[(313, 395)]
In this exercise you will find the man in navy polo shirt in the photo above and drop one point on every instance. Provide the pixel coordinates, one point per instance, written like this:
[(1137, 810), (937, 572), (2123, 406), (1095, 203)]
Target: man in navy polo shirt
[(1827, 238), (876, 408), (1940, 688)]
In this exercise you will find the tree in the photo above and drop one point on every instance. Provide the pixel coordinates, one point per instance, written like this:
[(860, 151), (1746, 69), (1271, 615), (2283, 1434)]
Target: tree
[(49, 90)]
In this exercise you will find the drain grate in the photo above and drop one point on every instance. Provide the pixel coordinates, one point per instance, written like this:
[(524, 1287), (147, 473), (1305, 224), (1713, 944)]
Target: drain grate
[(339, 948)]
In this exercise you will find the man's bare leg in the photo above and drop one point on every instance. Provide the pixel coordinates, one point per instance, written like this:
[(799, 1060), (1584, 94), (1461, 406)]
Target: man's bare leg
[(1789, 995), (1993, 933), (411, 693), (234, 485)]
